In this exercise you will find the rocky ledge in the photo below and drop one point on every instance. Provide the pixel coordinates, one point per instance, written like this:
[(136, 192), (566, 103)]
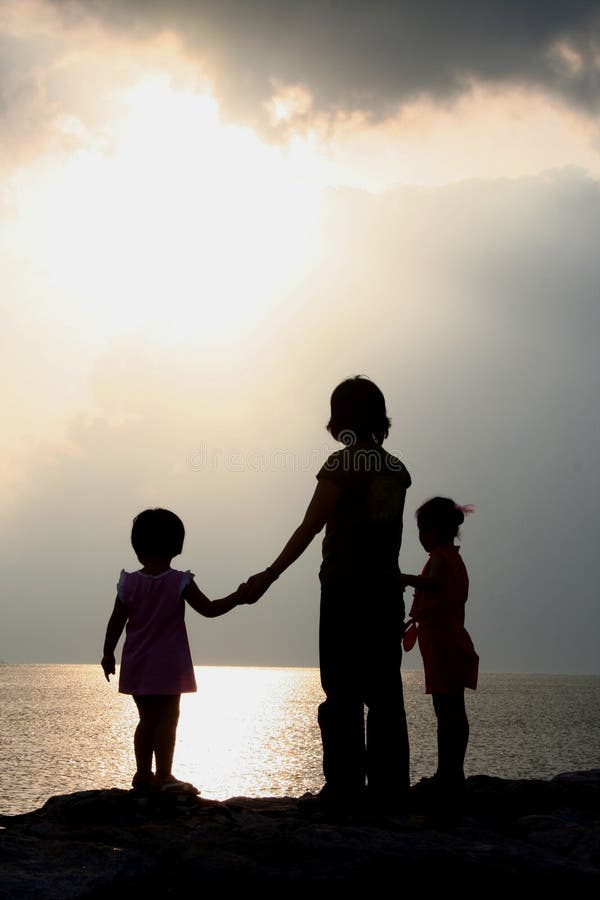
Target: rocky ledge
[(108, 843)]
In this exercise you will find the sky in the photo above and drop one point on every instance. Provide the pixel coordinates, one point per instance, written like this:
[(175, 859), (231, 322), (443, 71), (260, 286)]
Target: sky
[(211, 213)]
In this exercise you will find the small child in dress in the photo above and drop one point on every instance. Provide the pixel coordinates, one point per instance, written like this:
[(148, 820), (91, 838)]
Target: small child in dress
[(156, 664), (437, 620)]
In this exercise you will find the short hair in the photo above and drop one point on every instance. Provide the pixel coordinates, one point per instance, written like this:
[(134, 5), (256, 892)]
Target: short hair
[(442, 514), (157, 532), (357, 411)]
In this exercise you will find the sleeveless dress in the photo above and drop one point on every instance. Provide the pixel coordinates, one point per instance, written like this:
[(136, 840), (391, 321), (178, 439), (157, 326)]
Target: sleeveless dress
[(156, 657), (449, 658)]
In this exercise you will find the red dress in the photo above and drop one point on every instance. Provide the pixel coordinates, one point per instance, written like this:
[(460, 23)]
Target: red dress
[(449, 657)]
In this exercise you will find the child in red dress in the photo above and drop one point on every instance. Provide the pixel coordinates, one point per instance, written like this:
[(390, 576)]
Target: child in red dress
[(437, 618), (156, 664)]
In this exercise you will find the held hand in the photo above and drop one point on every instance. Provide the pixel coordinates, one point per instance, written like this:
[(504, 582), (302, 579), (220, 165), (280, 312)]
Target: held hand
[(242, 593), (108, 665), (258, 584)]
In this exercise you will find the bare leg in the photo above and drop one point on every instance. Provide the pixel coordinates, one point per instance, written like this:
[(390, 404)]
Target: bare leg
[(155, 734), (452, 736), (143, 738), (165, 735)]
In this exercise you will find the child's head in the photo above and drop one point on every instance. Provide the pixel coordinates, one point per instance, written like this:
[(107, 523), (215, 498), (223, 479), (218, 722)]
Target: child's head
[(358, 412), (157, 534), (438, 521)]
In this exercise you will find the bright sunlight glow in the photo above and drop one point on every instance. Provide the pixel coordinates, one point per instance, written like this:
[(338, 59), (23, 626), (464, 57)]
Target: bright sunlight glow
[(171, 220)]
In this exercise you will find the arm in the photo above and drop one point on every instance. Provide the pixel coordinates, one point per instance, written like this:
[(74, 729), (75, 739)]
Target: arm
[(433, 581), (114, 630), (212, 608), (319, 510)]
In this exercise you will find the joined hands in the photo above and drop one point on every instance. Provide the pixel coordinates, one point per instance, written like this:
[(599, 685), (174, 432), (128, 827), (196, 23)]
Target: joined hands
[(257, 585)]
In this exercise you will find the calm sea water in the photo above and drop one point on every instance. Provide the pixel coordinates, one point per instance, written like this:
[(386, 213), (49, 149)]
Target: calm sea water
[(253, 731)]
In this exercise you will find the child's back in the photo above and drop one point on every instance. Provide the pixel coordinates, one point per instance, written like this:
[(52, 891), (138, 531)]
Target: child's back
[(156, 657)]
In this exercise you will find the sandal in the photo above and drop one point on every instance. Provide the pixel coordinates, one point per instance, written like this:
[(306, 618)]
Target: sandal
[(172, 785)]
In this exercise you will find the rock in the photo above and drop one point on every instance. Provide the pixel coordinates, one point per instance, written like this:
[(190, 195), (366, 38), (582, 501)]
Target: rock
[(108, 843)]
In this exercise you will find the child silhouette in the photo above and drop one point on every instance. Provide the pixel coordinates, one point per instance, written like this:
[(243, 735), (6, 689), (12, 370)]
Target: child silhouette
[(438, 615), (156, 664)]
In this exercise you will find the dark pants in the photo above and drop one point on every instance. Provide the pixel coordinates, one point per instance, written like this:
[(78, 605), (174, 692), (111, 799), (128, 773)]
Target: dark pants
[(360, 652)]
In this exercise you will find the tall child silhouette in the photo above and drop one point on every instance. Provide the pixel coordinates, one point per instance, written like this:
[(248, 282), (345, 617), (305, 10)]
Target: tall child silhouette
[(359, 499), (438, 616), (156, 664)]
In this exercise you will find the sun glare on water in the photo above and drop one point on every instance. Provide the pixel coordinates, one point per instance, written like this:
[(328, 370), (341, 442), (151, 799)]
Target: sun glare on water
[(170, 219)]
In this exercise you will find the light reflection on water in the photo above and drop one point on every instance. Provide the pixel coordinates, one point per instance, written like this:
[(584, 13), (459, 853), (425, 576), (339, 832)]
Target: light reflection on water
[(251, 732), (254, 732)]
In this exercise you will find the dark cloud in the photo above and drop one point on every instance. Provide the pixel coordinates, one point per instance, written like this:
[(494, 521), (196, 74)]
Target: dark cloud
[(372, 54)]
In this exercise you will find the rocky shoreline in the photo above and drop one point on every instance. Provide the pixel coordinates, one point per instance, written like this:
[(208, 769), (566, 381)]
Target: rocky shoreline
[(108, 843)]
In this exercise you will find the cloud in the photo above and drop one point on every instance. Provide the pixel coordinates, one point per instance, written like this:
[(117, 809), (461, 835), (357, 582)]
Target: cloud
[(371, 56), (64, 76), (69, 72), (474, 307), (487, 132)]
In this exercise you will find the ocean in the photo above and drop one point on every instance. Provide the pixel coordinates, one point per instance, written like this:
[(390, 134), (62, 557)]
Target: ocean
[(254, 732)]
